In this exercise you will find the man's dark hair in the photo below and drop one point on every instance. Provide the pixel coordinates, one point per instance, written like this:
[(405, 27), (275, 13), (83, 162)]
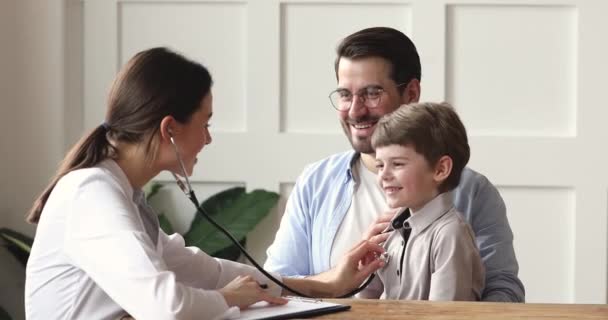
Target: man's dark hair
[(387, 43)]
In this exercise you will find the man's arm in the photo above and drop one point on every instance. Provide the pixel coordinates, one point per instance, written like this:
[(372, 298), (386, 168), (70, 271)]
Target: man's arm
[(484, 208), (289, 254)]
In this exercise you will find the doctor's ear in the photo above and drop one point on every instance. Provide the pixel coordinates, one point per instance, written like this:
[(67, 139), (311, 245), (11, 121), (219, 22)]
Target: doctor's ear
[(166, 130)]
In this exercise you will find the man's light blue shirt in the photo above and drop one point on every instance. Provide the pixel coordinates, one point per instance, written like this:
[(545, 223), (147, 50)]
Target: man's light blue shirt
[(323, 193)]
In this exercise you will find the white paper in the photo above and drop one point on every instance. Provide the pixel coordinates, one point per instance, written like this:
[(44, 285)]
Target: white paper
[(263, 309)]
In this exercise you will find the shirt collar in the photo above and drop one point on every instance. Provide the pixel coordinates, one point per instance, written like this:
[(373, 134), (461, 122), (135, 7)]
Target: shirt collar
[(431, 211), (350, 172), (114, 169)]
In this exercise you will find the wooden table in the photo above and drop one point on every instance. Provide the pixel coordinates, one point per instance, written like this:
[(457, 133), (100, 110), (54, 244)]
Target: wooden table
[(362, 309)]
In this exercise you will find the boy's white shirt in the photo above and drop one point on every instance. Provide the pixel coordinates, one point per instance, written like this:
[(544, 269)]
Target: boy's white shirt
[(368, 203)]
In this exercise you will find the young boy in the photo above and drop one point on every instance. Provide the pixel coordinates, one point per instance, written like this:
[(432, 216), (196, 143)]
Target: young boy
[(421, 150)]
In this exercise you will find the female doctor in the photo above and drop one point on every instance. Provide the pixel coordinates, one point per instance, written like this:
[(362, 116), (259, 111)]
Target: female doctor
[(99, 252)]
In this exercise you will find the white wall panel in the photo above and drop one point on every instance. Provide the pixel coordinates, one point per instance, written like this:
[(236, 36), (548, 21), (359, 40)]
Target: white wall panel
[(285, 191), (511, 70), (545, 252), (213, 34)]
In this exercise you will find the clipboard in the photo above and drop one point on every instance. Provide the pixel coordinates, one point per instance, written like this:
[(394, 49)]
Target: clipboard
[(296, 308)]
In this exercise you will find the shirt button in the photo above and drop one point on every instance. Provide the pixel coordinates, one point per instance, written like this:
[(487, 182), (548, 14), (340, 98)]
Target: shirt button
[(402, 243), (397, 272)]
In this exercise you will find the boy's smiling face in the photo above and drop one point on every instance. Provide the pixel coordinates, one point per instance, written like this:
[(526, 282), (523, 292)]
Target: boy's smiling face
[(406, 177)]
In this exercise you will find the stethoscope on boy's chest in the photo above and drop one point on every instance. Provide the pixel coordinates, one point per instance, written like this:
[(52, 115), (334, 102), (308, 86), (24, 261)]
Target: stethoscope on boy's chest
[(400, 224), (186, 187)]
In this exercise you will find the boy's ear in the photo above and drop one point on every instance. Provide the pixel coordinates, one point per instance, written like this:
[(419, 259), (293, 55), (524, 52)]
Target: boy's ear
[(443, 168)]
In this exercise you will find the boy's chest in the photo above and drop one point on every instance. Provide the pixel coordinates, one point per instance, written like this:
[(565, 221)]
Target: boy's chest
[(407, 274)]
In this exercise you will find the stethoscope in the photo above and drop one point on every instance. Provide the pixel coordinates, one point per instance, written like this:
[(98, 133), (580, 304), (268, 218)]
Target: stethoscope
[(399, 223), (186, 188)]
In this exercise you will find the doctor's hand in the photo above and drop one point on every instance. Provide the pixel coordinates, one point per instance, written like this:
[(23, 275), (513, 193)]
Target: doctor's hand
[(374, 232), (244, 291), (358, 264)]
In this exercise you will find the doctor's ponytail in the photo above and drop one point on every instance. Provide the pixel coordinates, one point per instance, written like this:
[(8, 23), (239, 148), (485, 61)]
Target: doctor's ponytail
[(155, 83), (89, 151)]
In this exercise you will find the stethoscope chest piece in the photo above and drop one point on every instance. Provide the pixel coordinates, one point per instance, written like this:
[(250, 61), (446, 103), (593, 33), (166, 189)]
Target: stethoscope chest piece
[(384, 256)]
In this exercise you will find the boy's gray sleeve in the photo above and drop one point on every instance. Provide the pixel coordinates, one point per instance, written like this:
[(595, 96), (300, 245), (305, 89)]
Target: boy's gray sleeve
[(458, 273)]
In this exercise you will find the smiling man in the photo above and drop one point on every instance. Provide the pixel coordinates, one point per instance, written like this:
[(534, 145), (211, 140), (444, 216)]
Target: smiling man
[(336, 201)]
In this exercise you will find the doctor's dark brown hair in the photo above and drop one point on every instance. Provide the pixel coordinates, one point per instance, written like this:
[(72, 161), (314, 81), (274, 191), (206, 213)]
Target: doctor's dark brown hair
[(434, 130), (153, 84)]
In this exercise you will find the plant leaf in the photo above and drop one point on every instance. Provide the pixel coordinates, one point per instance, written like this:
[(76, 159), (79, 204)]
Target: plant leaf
[(232, 252), (233, 209), (165, 224), (17, 243), (221, 200), (152, 189), (4, 315), (213, 206)]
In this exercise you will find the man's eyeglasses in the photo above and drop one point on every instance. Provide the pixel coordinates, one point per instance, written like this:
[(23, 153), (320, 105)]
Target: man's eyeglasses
[(342, 99)]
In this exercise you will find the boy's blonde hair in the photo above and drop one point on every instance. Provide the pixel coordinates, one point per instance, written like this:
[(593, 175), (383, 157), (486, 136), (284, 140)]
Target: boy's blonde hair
[(434, 130)]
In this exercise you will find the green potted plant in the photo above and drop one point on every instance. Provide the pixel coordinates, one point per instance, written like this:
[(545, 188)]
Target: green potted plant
[(4, 315), (235, 209), (19, 245)]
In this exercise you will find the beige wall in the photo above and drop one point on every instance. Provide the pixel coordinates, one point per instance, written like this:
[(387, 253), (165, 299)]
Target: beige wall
[(11, 273), (33, 102), (36, 124), (8, 97)]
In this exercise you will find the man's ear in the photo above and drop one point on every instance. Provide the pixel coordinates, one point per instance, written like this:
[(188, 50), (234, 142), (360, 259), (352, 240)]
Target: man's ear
[(167, 128), (411, 93), (443, 168)]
